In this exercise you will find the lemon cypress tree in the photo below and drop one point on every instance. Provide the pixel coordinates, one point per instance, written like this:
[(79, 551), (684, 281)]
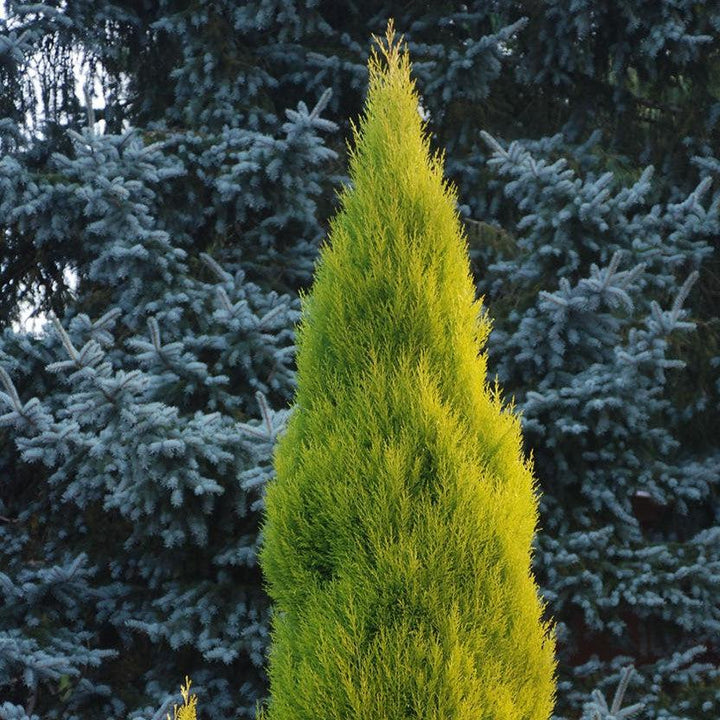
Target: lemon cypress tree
[(398, 529)]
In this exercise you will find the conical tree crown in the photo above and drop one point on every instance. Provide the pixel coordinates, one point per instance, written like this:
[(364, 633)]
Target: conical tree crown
[(398, 530)]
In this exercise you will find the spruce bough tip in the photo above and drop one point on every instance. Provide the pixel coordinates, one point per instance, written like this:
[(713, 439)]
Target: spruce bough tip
[(398, 529)]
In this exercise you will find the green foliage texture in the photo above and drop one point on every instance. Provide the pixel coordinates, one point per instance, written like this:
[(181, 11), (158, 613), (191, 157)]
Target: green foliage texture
[(398, 531)]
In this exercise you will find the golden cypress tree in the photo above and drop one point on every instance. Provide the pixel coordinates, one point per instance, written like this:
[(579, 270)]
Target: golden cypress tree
[(397, 536)]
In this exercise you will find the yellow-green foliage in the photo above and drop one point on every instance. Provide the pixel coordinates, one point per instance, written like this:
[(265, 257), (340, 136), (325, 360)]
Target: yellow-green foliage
[(188, 710), (398, 530)]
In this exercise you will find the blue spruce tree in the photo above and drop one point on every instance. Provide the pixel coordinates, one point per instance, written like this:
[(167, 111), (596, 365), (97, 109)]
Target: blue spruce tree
[(624, 564), (137, 428)]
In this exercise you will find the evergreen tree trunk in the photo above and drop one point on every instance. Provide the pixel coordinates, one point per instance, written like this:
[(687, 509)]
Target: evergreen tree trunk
[(398, 531)]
